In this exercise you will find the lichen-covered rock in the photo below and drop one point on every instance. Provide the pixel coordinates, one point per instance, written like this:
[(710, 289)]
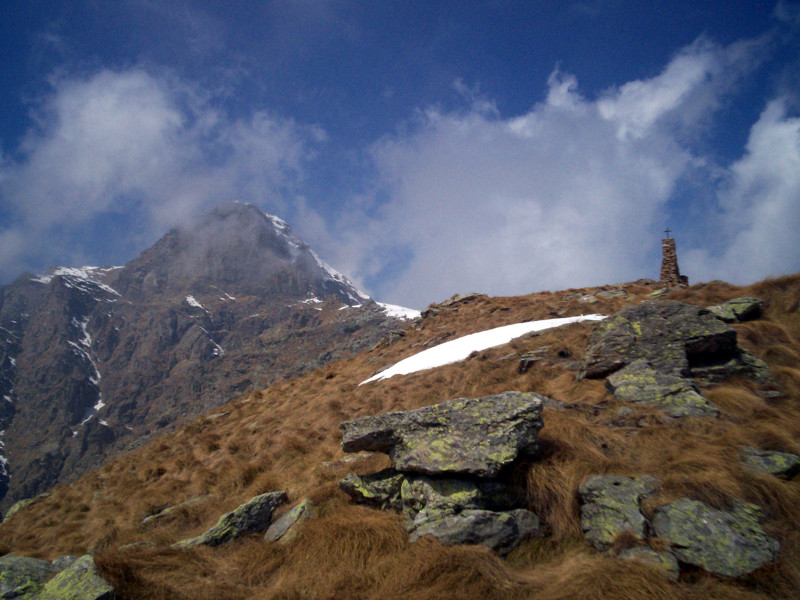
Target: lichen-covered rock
[(476, 436), (662, 561), (62, 562), (665, 333), (284, 528), (253, 515), (779, 464), (24, 503), (610, 506), (23, 577), (500, 531), (79, 581), (677, 396), (738, 309), (726, 543), (453, 495), (165, 512), (381, 489)]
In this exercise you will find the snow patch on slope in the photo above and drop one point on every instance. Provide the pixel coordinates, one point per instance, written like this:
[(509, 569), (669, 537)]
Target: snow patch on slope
[(83, 348), (461, 348)]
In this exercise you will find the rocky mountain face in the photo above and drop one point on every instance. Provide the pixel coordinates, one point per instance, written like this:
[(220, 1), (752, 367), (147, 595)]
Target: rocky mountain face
[(95, 361)]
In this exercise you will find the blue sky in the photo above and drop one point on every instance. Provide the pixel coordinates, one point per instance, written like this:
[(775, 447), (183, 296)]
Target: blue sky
[(424, 148)]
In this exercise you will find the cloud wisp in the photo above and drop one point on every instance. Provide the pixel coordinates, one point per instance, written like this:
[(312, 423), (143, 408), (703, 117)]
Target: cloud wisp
[(138, 143)]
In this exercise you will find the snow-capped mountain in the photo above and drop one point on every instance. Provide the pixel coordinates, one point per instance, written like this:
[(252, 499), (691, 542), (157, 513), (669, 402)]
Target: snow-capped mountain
[(94, 360)]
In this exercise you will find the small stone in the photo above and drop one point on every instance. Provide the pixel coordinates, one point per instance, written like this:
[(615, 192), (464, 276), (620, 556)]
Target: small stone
[(78, 581), (724, 543), (779, 464), (610, 506), (284, 528), (662, 561), (251, 516)]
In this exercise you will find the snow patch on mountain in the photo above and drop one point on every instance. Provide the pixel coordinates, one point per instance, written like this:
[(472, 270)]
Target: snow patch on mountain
[(459, 349), (83, 347), (83, 278), (399, 312), (192, 301)]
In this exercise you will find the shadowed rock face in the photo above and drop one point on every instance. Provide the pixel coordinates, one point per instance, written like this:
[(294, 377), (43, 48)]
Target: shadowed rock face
[(97, 361), (475, 436)]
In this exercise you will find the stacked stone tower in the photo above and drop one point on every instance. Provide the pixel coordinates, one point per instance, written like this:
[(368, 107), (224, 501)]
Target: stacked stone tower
[(670, 273)]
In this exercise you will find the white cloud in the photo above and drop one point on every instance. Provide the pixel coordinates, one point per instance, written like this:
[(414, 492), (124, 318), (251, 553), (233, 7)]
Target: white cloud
[(572, 193), (760, 206), (122, 140)]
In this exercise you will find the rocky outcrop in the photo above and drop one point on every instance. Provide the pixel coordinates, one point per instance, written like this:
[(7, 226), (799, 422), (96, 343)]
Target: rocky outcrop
[(447, 458), (476, 436), (779, 464), (738, 309), (677, 396), (611, 506), (726, 543), (79, 580), (253, 515), (654, 353)]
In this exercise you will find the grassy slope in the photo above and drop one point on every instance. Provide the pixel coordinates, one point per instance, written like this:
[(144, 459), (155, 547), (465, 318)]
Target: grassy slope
[(286, 437)]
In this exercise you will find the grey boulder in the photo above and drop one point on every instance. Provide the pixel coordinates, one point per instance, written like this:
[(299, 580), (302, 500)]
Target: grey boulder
[(476, 436), (611, 506), (253, 515), (738, 309), (725, 543), (23, 577), (453, 495)]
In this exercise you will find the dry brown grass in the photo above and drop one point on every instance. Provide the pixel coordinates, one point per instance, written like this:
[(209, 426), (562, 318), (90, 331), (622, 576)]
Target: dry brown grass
[(287, 437)]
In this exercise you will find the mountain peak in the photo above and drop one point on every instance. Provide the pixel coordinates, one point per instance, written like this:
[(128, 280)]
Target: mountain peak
[(241, 247)]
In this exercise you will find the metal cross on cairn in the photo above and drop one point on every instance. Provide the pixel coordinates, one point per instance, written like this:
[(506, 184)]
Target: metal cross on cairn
[(667, 231)]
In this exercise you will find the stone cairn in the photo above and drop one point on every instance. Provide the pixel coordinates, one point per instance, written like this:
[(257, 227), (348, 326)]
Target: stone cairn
[(670, 273)]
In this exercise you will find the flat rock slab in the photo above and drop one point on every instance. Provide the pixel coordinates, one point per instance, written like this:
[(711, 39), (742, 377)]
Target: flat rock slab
[(380, 490), (676, 396), (284, 528), (79, 580), (251, 516), (500, 531), (724, 543), (475, 436), (23, 577), (611, 506), (665, 333), (779, 464), (738, 309)]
